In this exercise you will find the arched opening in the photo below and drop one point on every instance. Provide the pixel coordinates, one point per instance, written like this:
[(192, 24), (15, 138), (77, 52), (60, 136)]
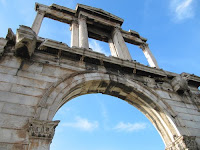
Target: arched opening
[(99, 121), (141, 97)]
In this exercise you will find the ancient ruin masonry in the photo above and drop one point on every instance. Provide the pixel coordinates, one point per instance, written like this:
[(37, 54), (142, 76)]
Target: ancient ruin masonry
[(38, 76)]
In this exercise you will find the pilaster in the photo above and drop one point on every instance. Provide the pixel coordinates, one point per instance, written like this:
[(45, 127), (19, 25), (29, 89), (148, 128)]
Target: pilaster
[(41, 134)]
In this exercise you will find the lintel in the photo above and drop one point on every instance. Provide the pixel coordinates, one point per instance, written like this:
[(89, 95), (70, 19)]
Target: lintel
[(99, 12)]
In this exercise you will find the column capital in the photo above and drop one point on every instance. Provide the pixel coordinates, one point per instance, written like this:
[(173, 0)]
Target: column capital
[(183, 143), (75, 21), (42, 12), (144, 45), (40, 129), (116, 29), (41, 8), (82, 17)]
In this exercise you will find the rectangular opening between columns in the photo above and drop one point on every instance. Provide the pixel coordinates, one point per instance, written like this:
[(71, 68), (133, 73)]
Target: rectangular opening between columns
[(55, 30)]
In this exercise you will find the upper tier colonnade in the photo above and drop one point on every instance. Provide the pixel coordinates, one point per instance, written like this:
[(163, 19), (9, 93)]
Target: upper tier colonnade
[(86, 21)]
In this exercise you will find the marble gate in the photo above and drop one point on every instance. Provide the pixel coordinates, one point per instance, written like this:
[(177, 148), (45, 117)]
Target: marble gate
[(38, 76)]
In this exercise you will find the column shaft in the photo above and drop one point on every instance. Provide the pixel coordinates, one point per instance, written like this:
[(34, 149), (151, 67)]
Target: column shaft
[(83, 33), (112, 48), (149, 56), (38, 21), (74, 34), (120, 45)]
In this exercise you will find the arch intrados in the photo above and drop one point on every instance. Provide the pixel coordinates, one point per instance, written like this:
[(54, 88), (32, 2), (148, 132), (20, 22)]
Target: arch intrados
[(147, 101)]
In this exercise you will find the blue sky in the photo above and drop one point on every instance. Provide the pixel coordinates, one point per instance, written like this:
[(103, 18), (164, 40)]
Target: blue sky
[(100, 122)]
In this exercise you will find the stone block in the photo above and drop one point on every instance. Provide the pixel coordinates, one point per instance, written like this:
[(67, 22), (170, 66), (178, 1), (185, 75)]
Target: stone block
[(10, 61), (5, 86), (191, 124), (1, 105), (18, 98), (15, 146), (24, 81), (12, 121), (12, 136), (163, 94), (31, 91), (20, 110), (8, 70), (36, 76), (175, 103), (54, 71), (193, 131), (185, 110), (32, 67), (174, 96), (44, 114), (189, 117)]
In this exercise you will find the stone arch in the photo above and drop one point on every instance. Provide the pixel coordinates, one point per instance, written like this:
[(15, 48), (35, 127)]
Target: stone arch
[(136, 94)]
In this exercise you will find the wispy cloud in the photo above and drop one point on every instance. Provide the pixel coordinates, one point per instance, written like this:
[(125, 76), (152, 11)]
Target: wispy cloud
[(130, 127), (95, 45), (182, 9), (82, 124)]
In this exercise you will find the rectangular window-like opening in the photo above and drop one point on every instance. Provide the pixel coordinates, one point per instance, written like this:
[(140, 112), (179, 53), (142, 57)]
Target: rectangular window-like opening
[(55, 30), (99, 46), (137, 54)]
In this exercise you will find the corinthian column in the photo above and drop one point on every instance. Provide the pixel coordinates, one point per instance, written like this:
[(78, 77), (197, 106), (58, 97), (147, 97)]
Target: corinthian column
[(120, 45), (149, 56), (38, 21), (83, 32), (74, 33), (41, 134)]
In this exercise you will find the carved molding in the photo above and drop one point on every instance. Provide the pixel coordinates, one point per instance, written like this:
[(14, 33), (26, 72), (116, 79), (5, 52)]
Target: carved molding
[(143, 46), (3, 43), (42, 129), (82, 17), (179, 84), (25, 41), (184, 143)]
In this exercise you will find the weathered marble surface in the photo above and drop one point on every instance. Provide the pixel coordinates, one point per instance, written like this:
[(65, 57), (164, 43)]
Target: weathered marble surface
[(35, 85)]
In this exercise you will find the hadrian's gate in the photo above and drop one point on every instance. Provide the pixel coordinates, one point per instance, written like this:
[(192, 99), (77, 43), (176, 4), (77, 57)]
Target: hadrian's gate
[(38, 76)]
